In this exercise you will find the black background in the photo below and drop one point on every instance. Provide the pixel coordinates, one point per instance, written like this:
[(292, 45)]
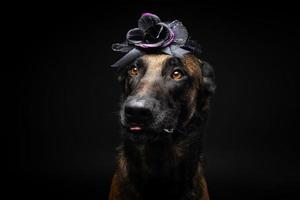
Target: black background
[(65, 97)]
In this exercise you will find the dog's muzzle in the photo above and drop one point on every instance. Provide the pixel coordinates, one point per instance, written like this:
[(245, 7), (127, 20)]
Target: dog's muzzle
[(138, 113), (146, 113)]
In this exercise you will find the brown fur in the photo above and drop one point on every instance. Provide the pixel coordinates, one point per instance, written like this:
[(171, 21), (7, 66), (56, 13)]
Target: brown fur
[(121, 174), (179, 150)]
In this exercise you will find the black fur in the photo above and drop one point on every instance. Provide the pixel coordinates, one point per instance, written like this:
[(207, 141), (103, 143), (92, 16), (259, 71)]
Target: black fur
[(161, 165)]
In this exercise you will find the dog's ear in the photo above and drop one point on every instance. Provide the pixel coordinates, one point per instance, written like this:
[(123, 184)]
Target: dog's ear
[(208, 74), (122, 79), (121, 75), (207, 90)]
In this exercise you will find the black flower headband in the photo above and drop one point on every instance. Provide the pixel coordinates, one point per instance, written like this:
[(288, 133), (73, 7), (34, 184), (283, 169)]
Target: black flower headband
[(151, 36)]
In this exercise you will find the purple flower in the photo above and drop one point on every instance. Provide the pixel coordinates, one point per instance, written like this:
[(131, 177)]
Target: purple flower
[(151, 33)]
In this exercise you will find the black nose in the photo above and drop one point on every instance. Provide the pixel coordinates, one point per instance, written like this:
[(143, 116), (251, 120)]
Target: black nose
[(138, 111)]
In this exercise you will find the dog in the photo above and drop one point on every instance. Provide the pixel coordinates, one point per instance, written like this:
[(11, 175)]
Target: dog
[(164, 107)]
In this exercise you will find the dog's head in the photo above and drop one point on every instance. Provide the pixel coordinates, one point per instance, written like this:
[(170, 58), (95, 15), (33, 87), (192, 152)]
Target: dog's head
[(162, 94)]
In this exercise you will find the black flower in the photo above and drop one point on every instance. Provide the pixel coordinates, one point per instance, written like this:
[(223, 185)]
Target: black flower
[(152, 33)]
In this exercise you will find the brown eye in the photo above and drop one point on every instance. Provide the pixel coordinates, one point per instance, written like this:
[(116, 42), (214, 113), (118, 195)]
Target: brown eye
[(134, 71), (177, 75)]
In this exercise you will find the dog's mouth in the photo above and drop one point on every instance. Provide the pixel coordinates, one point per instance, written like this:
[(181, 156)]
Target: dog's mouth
[(135, 127), (139, 128)]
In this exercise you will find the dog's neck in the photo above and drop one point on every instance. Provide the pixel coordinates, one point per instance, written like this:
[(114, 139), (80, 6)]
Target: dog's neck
[(162, 158), (169, 164)]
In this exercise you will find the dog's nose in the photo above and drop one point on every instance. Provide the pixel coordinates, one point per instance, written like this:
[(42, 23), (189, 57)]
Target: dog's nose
[(138, 111)]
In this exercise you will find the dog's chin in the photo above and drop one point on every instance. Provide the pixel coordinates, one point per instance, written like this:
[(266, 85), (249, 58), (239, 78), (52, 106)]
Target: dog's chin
[(150, 131)]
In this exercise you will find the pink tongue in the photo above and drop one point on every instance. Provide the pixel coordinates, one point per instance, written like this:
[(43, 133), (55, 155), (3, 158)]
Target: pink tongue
[(135, 128)]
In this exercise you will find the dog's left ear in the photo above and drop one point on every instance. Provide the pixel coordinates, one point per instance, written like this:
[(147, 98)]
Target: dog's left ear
[(208, 74)]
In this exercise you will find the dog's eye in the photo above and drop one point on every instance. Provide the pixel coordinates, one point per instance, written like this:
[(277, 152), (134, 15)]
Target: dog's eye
[(177, 75), (133, 71)]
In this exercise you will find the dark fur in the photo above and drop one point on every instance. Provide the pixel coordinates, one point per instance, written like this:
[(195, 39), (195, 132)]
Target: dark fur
[(157, 165)]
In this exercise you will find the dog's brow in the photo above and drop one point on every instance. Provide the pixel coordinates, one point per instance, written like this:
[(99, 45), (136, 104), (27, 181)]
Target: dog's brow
[(155, 63), (139, 62), (170, 63)]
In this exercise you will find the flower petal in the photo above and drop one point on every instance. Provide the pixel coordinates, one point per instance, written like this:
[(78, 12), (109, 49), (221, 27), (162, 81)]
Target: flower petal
[(167, 50), (121, 47), (178, 52), (169, 36), (180, 32), (135, 36), (129, 57), (193, 47), (156, 33), (150, 45), (147, 20)]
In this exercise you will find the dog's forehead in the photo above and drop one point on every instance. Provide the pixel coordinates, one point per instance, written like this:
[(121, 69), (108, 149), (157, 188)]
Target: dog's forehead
[(156, 62)]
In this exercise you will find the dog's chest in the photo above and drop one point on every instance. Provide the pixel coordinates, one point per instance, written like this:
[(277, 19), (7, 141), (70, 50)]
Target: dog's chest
[(160, 181), (157, 165)]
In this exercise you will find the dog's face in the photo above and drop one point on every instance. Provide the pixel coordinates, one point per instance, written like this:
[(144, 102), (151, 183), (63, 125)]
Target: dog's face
[(162, 93)]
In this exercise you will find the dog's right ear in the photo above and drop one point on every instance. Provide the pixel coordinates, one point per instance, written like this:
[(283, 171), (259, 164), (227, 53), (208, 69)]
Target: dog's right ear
[(208, 74)]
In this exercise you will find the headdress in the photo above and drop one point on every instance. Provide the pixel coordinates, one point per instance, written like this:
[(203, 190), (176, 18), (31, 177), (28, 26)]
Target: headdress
[(154, 36)]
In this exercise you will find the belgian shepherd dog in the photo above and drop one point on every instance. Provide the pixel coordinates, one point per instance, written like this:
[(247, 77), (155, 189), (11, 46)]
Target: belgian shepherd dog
[(164, 106)]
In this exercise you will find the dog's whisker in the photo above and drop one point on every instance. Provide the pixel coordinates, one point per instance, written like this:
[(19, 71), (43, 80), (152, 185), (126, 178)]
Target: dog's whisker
[(171, 130)]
